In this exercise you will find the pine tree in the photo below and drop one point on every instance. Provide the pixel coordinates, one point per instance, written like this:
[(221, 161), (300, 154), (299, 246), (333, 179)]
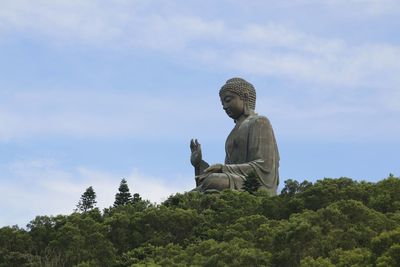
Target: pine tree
[(136, 198), (123, 197), (87, 201), (252, 183)]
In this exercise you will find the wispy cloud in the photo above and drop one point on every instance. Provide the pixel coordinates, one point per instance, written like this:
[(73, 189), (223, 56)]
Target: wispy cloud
[(361, 122), (43, 187), (269, 48), (361, 8), (100, 114), (351, 66), (322, 67), (332, 114)]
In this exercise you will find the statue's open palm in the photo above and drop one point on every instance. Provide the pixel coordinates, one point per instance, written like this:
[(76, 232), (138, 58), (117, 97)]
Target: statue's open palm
[(196, 156)]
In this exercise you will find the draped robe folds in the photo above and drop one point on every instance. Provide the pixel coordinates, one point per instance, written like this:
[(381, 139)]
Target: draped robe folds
[(250, 147)]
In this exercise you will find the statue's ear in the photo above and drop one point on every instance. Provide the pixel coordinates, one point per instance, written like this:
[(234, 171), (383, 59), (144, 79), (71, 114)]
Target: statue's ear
[(246, 104), (246, 97)]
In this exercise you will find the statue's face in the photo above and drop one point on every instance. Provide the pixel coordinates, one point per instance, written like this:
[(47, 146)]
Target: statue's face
[(232, 104)]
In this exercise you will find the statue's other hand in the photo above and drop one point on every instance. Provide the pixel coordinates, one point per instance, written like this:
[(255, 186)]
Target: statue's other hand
[(215, 168), (196, 156)]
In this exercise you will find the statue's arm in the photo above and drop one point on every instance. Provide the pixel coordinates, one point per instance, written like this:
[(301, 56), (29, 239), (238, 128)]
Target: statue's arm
[(200, 169), (196, 158)]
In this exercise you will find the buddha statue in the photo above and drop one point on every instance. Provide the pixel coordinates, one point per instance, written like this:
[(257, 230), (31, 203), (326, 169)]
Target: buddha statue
[(250, 147)]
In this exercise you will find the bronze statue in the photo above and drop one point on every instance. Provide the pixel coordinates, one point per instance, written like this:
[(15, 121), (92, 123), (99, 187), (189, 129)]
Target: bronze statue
[(250, 147)]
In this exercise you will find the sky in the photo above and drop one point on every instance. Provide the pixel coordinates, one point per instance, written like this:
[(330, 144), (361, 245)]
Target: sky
[(94, 91)]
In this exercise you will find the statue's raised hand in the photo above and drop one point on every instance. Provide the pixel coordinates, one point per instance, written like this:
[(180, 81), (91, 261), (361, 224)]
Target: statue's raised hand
[(196, 156)]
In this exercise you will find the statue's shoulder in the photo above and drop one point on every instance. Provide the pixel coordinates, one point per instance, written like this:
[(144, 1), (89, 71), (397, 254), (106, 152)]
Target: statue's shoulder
[(259, 119)]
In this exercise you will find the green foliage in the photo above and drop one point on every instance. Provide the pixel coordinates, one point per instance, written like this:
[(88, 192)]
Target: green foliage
[(136, 198), (385, 196), (318, 262), (252, 183), (16, 248), (87, 201), (358, 257), (293, 187), (123, 197), (332, 222)]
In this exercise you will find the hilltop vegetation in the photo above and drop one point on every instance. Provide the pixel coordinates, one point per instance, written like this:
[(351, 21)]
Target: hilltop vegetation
[(333, 222)]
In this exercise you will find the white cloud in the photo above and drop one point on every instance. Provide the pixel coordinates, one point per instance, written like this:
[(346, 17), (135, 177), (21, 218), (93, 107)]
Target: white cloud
[(101, 23), (108, 115), (254, 48), (358, 8), (364, 7), (349, 67), (85, 20), (273, 35), (41, 187), (100, 114), (365, 72), (351, 122)]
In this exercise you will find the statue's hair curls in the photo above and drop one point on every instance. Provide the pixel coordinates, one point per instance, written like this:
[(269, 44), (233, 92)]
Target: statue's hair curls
[(240, 87)]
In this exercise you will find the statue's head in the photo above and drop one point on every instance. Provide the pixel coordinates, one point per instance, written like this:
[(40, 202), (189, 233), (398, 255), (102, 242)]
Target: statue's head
[(244, 90)]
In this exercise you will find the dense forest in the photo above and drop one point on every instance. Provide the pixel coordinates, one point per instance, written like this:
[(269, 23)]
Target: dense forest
[(332, 222)]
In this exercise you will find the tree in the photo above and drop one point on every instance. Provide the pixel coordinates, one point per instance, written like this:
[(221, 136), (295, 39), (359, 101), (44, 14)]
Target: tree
[(15, 248), (87, 201), (123, 197), (293, 187), (252, 183), (136, 198)]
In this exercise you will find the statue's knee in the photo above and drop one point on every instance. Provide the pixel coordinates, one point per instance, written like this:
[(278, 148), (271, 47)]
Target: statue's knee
[(218, 182)]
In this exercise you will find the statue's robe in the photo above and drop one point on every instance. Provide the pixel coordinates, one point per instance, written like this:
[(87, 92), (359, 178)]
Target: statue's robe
[(250, 147)]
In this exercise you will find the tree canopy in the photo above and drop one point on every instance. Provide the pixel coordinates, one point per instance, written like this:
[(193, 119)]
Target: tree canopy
[(123, 197), (87, 201), (332, 222)]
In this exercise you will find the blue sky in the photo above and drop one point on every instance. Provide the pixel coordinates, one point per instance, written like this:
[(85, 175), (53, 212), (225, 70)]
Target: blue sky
[(95, 91)]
